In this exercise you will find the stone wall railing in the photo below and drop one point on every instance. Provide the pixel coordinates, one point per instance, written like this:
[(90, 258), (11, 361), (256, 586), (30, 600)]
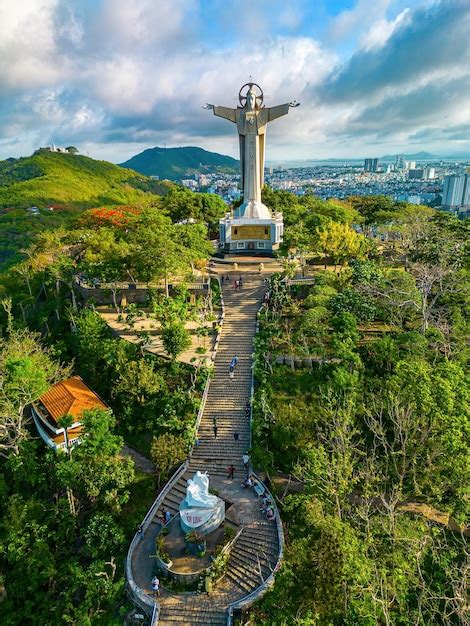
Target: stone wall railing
[(221, 322), (300, 281), (134, 293), (197, 285), (137, 595)]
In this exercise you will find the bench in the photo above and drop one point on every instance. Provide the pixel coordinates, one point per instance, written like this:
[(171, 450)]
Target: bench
[(260, 489)]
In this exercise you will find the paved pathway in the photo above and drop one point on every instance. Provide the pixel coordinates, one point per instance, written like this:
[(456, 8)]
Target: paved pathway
[(256, 552), (141, 461)]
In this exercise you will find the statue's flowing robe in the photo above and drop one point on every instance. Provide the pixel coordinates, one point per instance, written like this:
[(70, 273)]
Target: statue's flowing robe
[(251, 126)]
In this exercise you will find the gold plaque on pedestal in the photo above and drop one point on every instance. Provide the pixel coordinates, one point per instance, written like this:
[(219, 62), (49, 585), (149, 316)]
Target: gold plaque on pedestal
[(250, 232)]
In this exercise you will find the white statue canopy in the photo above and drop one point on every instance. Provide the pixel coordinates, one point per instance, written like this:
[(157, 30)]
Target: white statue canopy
[(197, 492)]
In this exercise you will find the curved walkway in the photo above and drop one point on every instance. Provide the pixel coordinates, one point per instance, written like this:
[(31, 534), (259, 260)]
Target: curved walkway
[(257, 552)]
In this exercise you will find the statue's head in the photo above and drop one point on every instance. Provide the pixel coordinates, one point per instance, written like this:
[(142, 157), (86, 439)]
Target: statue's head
[(251, 99)]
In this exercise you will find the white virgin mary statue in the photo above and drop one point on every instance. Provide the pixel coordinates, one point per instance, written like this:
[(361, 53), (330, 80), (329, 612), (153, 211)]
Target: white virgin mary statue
[(252, 119), (197, 492)]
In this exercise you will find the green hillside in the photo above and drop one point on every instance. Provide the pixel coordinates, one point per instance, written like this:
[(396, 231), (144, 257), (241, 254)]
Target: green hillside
[(178, 163), (71, 181)]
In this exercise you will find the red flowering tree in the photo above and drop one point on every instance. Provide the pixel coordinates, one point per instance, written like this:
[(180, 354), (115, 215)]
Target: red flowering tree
[(117, 216)]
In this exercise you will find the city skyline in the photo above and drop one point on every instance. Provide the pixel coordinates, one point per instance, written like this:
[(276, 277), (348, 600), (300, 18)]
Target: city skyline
[(115, 78)]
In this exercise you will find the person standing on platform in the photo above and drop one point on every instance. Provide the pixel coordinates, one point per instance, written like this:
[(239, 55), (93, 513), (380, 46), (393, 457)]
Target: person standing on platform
[(246, 461), (156, 586)]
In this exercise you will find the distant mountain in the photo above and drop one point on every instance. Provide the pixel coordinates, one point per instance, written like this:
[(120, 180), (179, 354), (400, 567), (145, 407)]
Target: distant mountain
[(178, 163), (417, 156), (71, 181)]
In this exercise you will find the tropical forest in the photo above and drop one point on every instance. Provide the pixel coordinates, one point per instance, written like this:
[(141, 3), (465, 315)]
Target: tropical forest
[(360, 421)]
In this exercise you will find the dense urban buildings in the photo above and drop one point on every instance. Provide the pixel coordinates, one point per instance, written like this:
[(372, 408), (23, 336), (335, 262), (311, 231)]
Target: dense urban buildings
[(417, 183)]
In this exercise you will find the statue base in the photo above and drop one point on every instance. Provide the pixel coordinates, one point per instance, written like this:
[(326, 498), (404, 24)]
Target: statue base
[(250, 235), (204, 521)]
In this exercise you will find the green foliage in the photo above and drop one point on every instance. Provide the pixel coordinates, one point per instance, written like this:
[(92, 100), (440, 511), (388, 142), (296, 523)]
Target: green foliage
[(96, 470), (167, 452), (175, 339), (103, 536), (26, 371), (183, 205), (376, 428), (349, 300), (68, 180)]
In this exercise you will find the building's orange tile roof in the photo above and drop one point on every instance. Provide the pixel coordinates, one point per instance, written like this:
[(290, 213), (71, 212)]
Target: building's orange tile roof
[(70, 397)]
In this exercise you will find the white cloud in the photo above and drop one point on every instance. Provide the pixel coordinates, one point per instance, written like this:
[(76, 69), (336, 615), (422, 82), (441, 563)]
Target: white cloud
[(137, 73), (351, 21), (28, 53), (381, 30)]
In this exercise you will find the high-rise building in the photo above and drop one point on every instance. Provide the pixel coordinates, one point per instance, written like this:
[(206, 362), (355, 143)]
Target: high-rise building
[(427, 173), (371, 165), (400, 162), (456, 193), (410, 165), (416, 174)]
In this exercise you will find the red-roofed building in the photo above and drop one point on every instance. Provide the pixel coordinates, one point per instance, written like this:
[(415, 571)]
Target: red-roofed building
[(69, 397)]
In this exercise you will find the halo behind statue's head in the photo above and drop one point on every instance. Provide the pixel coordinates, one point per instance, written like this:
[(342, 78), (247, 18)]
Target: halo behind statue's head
[(254, 92)]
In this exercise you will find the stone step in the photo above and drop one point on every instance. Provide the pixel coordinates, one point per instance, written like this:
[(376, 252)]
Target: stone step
[(251, 561), (247, 572), (172, 615), (240, 582)]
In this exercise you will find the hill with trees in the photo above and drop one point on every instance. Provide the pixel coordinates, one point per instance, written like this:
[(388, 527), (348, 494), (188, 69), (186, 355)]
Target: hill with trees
[(56, 187), (362, 400), (70, 181), (179, 163)]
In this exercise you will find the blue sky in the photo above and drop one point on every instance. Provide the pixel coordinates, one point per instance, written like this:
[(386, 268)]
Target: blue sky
[(114, 77)]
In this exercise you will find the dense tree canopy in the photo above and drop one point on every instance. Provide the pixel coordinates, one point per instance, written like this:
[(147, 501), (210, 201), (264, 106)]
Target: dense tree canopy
[(375, 425)]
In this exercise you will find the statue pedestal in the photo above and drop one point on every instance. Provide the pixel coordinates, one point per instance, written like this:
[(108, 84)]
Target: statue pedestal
[(250, 235), (200, 510), (203, 520)]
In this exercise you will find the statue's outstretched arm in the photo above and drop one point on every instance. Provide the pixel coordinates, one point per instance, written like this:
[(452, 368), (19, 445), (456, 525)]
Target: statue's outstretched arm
[(225, 112), (279, 111)]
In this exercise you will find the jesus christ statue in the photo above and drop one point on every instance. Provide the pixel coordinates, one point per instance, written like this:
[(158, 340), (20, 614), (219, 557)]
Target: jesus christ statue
[(252, 119)]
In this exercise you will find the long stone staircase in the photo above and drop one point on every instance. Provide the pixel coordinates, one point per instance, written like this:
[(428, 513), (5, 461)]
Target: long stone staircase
[(256, 554)]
